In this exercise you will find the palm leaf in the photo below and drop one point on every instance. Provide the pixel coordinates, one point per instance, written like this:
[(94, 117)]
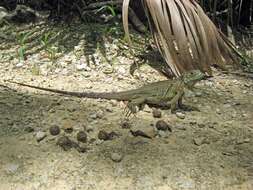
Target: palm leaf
[(184, 35)]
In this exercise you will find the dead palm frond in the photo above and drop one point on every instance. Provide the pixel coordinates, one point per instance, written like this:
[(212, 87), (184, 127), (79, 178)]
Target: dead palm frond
[(184, 35)]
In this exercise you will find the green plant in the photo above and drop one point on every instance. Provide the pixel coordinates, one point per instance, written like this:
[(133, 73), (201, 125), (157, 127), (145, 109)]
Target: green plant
[(22, 39), (108, 7), (49, 48)]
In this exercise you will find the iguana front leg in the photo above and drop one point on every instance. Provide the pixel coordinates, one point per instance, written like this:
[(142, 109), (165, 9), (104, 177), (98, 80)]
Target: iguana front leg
[(176, 101)]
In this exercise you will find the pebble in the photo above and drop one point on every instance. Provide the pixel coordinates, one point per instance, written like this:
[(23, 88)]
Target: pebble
[(97, 115), (121, 71), (65, 143), (201, 125), (82, 67), (108, 70), (125, 125), (54, 130), (103, 135), (198, 94), (68, 128), (89, 128), (162, 134), (20, 64), (199, 141), (82, 149), (29, 129), (193, 122), (243, 141), (180, 127), (163, 126), (116, 157), (180, 115), (139, 133), (114, 103), (247, 85), (109, 109), (218, 111), (157, 113), (71, 109), (12, 168), (81, 137), (40, 136)]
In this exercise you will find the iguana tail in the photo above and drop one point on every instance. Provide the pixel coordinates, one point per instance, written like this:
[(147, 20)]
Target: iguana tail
[(93, 95)]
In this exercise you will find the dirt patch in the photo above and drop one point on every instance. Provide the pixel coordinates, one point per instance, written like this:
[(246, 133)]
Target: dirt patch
[(208, 149)]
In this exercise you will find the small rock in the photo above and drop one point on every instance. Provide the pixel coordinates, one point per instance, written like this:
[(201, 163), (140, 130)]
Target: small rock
[(199, 141), (180, 127), (103, 135), (108, 70), (82, 67), (116, 157), (162, 134), (218, 111), (82, 149), (40, 136), (81, 137), (100, 114), (114, 103), (112, 135), (54, 130), (12, 168), (109, 109), (29, 129), (157, 113), (20, 64), (201, 125), (198, 94), (243, 141), (99, 142), (89, 128), (92, 140), (180, 115), (163, 126), (125, 125), (139, 133), (193, 122), (71, 109), (65, 143), (247, 85), (68, 128), (121, 71), (97, 115)]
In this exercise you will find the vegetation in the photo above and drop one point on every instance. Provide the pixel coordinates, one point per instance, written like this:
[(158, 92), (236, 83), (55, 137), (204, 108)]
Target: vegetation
[(184, 34)]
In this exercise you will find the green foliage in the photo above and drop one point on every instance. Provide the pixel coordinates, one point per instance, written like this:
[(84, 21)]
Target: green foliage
[(108, 7), (22, 40), (247, 62), (49, 48)]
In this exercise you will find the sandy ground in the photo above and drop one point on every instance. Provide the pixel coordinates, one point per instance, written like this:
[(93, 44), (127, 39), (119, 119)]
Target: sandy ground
[(210, 149)]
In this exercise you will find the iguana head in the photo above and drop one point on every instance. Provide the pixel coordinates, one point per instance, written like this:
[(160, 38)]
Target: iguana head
[(192, 77)]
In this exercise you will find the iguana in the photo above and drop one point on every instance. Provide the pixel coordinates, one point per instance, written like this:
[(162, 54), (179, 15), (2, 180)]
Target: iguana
[(167, 93)]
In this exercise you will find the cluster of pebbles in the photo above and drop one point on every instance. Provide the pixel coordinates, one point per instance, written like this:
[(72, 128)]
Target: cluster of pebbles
[(82, 139)]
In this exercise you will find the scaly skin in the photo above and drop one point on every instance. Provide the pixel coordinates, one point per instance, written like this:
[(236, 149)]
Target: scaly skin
[(166, 93)]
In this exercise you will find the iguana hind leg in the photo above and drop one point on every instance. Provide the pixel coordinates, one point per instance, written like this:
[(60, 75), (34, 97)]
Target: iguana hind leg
[(135, 105)]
